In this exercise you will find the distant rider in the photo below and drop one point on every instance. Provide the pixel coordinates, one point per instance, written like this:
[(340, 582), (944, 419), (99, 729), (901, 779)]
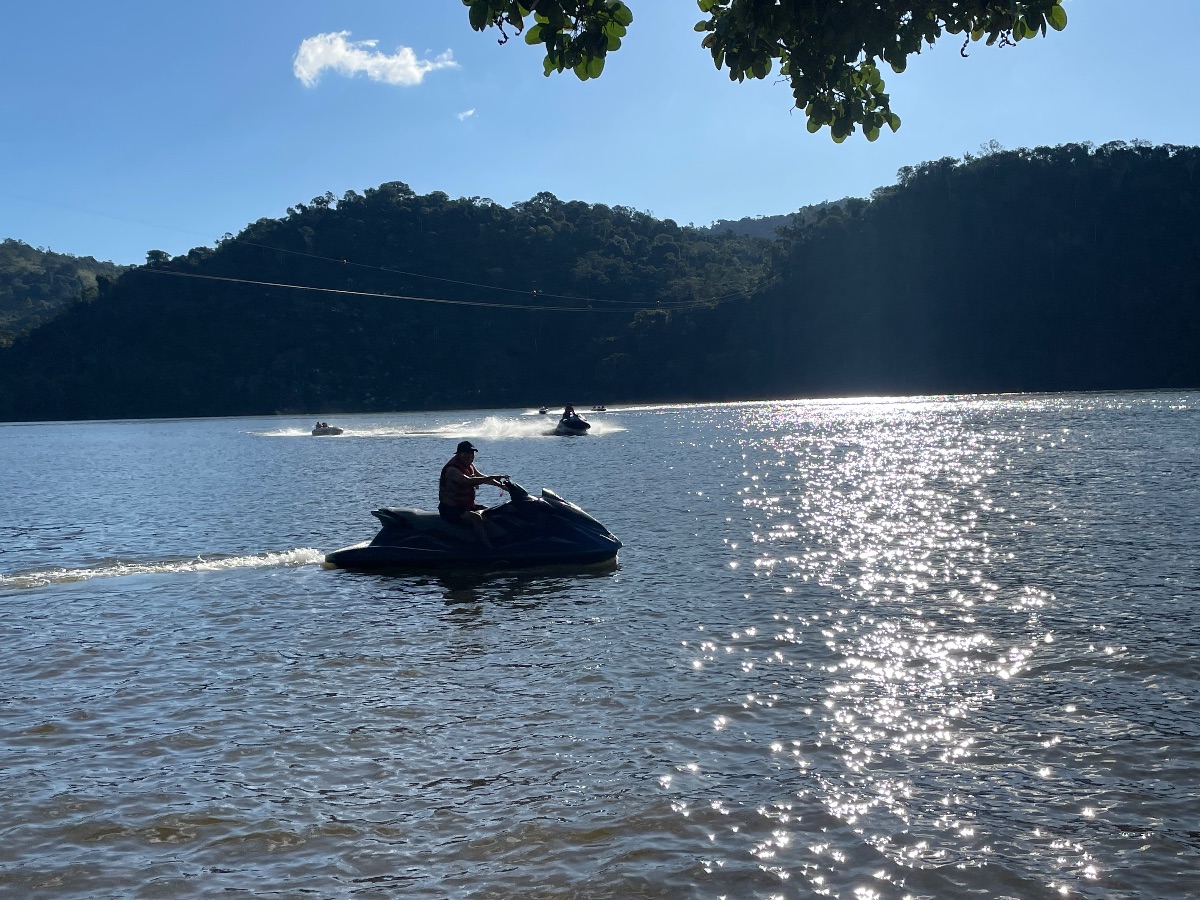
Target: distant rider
[(456, 491)]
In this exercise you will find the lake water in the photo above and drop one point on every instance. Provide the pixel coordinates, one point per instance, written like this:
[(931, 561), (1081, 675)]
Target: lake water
[(933, 647)]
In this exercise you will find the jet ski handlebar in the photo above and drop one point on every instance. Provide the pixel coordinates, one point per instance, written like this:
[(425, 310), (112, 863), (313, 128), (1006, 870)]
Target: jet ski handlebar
[(515, 491)]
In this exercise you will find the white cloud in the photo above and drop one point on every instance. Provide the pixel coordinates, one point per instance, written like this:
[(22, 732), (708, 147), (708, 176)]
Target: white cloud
[(334, 51), (463, 116)]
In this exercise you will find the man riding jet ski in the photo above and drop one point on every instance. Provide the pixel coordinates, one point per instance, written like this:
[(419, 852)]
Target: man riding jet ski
[(525, 531), (572, 423)]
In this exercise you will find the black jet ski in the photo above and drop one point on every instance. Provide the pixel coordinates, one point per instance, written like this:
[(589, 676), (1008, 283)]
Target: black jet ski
[(572, 425), (526, 531)]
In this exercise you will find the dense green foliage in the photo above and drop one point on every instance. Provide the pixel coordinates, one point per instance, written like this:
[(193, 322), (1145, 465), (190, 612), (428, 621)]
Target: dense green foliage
[(1058, 268), (769, 226), (569, 279), (36, 284), (829, 50)]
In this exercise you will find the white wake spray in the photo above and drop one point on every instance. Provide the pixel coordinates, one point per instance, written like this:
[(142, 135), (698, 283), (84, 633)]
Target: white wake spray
[(304, 556), (491, 428)]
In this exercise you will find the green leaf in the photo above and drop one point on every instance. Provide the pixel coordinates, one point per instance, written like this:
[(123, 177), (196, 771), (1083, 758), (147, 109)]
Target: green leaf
[(813, 126), (893, 121), (534, 35), (1058, 17), (872, 134), (480, 15), (701, 26)]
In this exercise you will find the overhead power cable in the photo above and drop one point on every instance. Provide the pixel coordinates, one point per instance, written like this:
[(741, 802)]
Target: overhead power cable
[(442, 300), (473, 284)]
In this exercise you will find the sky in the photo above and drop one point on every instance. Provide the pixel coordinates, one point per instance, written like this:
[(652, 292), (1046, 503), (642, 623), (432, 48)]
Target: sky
[(135, 126)]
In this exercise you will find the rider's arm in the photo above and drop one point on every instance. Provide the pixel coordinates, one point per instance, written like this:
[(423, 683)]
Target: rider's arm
[(480, 478), (473, 480)]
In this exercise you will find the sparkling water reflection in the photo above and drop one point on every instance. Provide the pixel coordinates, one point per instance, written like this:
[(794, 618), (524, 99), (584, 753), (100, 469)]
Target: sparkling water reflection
[(868, 649)]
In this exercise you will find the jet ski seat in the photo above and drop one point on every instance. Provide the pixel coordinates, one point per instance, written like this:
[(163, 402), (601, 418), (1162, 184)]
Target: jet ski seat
[(423, 521)]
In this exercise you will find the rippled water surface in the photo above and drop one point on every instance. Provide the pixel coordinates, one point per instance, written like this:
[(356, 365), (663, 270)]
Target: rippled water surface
[(935, 647)]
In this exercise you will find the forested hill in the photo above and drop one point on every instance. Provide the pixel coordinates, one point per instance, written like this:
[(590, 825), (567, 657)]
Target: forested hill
[(36, 284), (1058, 268), (768, 226), (415, 301)]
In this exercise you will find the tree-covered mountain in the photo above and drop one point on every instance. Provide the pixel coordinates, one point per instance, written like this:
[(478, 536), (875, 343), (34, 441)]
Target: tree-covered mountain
[(36, 284), (1057, 268), (410, 301), (768, 226)]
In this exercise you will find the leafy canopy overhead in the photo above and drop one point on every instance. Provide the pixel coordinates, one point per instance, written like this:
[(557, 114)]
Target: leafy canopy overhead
[(829, 50)]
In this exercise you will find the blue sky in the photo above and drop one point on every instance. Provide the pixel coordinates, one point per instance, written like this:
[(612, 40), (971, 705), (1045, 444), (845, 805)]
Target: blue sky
[(132, 126)]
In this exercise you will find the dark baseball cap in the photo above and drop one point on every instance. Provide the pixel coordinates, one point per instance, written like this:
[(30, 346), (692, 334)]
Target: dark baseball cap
[(464, 446)]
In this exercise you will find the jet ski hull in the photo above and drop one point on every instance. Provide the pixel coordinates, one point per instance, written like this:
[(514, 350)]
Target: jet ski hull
[(526, 533), (572, 426), (368, 557)]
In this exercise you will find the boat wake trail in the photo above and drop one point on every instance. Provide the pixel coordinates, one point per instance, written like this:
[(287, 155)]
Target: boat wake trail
[(303, 556), (487, 429), (285, 432)]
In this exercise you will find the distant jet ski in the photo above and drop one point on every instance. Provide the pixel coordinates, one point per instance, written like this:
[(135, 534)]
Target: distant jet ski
[(526, 532), (572, 425), (324, 430)]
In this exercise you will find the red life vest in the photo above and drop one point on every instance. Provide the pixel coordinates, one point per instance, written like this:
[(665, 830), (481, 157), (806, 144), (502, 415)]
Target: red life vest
[(456, 493)]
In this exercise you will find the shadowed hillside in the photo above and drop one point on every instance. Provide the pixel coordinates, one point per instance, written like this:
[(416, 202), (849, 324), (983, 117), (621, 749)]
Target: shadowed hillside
[(1057, 268), (36, 285), (411, 301)]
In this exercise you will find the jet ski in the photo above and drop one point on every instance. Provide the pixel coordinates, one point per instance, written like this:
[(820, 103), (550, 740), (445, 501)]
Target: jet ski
[(572, 425), (525, 531), (323, 430)]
